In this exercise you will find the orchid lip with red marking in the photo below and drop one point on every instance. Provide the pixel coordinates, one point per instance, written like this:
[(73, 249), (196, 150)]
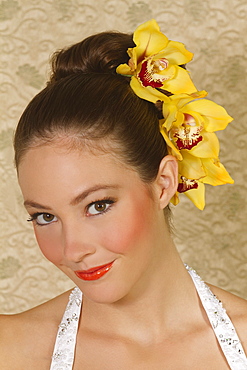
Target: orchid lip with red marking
[(146, 77), (186, 185), (94, 273)]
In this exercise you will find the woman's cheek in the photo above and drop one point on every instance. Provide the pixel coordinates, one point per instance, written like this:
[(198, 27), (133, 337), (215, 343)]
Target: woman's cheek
[(48, 245), (126, 232)]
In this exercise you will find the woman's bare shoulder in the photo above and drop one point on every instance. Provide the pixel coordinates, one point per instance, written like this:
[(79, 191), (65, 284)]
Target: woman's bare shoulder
[(236, 309), (30, 334)]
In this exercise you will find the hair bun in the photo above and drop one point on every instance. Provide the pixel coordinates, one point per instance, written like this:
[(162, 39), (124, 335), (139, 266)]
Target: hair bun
[(100, 53)]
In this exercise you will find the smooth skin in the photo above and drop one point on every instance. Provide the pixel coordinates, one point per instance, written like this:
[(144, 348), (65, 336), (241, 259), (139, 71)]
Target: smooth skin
[(145, 312)]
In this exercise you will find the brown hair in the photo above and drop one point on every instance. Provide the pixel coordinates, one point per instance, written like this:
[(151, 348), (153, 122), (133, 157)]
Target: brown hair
[(87, 99)]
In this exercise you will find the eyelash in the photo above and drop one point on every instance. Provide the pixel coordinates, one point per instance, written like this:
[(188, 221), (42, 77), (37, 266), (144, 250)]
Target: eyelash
[(105, 201), (34, 216)]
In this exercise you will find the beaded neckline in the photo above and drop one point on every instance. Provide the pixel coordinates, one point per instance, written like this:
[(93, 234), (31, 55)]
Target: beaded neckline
[(64, 350), (221, 324)]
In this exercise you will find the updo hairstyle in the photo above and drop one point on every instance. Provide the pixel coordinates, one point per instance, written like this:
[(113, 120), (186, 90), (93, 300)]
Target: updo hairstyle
[(87, 100)]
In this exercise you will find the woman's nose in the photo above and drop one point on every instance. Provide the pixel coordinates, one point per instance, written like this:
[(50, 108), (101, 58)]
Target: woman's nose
[(78, 242)]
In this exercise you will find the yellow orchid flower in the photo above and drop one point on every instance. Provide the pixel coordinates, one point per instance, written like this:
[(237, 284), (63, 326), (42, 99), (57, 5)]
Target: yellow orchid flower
[(194, 173), (155, 62), (191, 120), (193, 189)]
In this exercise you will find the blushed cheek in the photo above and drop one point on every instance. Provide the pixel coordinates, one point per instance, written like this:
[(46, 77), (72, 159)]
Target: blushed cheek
[(132, 229), (49, 248)]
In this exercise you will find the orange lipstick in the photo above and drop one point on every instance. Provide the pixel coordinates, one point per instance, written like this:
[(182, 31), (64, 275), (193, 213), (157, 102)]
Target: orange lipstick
[(94, 273)]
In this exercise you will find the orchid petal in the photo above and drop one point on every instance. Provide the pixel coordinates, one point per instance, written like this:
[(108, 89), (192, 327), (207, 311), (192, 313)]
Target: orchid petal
[(216, 173), (207, 148), (179, 120), (176, 53), (146, 93), (173, 150), (216, 116), (175, 199), (181, 83), (148, 39), (124, 69), (191, 167), (182, 99), (170, 113), (197, 196), (168, 73)]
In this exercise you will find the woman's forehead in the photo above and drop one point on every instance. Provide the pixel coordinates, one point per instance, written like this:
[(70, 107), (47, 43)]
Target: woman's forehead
[(65, 144), (51, 174), (58, 160)]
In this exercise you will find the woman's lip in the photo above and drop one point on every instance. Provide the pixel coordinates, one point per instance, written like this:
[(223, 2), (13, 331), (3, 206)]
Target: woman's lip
[(94, 273)]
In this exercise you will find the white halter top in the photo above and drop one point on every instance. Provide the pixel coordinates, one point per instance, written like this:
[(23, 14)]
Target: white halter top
[(63, 355)]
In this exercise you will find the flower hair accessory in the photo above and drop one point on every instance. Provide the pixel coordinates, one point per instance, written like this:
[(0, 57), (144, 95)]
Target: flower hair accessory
[(156, 68)]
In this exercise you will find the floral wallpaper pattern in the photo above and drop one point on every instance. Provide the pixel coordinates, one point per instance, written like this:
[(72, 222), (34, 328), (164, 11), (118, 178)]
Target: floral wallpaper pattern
[(212, 241)]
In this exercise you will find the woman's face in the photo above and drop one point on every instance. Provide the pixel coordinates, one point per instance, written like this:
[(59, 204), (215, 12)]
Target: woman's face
[(93, 218)]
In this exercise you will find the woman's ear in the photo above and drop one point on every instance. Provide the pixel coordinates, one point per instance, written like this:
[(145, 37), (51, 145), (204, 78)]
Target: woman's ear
[(167, 180)]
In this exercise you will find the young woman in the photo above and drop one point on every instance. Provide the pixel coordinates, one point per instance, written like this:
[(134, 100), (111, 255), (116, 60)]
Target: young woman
[(117, 134)]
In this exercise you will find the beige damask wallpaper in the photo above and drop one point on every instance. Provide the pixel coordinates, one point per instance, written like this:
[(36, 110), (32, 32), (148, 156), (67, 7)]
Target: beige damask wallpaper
[(213, 241)]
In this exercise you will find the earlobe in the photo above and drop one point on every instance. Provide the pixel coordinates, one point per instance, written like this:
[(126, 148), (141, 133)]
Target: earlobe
[(167, 180)]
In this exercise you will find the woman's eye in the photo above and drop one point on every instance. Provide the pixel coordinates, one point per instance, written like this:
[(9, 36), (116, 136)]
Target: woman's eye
[(99, 207), (43, 218)]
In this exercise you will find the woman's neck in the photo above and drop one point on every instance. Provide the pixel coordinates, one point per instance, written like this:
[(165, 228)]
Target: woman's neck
[(165, 302)]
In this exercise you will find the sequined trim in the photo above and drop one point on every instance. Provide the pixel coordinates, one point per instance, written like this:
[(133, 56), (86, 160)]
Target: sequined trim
[(221, 324), (64, 350)]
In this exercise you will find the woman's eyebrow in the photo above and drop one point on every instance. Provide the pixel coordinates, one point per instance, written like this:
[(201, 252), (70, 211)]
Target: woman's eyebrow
[(89, 191), (32, 204), (80, 197)]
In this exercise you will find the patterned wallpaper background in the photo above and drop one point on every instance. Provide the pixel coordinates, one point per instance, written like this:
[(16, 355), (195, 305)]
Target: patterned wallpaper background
[(212, 241)]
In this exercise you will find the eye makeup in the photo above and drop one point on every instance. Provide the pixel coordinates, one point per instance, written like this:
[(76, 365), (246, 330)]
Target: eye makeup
[(95, 208), (100, 206), (47, 218)]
